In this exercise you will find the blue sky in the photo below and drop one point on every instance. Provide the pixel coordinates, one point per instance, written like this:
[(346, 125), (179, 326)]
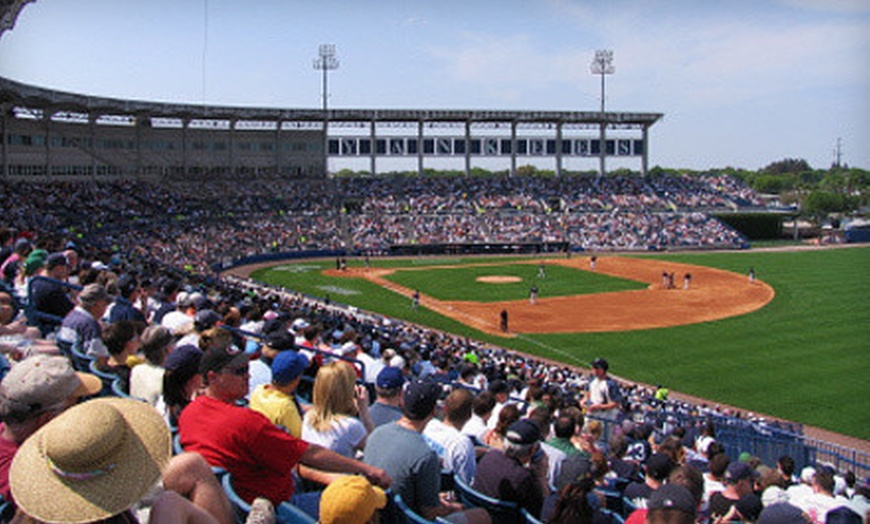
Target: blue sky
[(741, 83)]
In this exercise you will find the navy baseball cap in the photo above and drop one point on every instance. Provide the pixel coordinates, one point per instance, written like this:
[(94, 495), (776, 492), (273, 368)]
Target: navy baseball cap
[(738, 471), (420, 398), (218, 358), (673, 496), (280, 340), (524, 432), (659, 466), (600, 363), (782, 513)]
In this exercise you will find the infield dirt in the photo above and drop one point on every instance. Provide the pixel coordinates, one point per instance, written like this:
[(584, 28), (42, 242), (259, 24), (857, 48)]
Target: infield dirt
[(712, 295)]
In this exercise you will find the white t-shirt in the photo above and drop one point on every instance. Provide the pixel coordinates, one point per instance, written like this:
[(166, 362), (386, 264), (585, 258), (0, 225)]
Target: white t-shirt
[(343, 437), (710, 486), (146, 382), (454, 449), (599, 392), (817, 505), (475, 427), (797, 493), (373, 366), (259, 374), (493, 418)]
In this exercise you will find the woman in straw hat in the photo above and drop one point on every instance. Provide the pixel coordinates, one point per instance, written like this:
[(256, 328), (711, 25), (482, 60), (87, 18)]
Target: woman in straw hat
[(97, 460)]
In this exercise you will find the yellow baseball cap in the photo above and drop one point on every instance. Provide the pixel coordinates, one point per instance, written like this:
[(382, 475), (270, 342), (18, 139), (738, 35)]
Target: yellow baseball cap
[(350, 500)]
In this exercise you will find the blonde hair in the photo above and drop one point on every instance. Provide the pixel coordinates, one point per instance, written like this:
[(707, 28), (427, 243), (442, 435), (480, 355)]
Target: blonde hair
[(333, 395)]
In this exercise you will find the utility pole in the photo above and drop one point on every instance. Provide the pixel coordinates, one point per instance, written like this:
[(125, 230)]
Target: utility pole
[(602, 65)]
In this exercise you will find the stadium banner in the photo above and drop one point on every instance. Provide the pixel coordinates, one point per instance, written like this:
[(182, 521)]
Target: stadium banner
[(482, 146)]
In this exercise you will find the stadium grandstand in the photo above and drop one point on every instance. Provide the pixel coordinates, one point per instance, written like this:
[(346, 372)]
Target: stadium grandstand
[(171, 195)]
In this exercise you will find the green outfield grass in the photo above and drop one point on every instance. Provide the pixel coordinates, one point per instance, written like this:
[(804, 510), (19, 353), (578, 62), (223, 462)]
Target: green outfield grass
[(460, 282), (804, 357)]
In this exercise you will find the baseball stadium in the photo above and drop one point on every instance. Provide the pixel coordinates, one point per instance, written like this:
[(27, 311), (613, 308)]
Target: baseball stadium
[(246, 213)]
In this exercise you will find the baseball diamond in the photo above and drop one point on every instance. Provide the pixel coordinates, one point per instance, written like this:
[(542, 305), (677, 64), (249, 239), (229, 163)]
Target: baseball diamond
[(715, 295)]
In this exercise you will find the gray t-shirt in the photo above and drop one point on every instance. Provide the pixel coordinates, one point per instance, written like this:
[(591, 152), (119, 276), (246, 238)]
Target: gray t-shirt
[(409, 461), (384, 413)]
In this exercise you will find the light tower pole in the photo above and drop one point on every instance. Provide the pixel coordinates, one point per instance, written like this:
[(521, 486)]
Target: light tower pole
[(325, 61), (602, 65)]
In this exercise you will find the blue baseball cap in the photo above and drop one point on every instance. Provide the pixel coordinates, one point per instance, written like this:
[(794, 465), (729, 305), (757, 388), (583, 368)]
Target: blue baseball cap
[(287, 366), (390, 378)]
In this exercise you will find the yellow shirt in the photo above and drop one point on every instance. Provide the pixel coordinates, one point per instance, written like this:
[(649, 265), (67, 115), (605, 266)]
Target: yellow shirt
[(278, 407)]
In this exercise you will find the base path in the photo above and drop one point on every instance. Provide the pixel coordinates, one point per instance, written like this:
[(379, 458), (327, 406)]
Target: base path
[(712, 295)]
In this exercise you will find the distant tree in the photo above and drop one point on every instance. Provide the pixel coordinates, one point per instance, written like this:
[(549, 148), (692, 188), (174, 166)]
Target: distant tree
[(657, 171), (480, 172), (833, 182), (527, 170), (820, 204), (345, 173), (772, 184), (787, 165), (623, 172)]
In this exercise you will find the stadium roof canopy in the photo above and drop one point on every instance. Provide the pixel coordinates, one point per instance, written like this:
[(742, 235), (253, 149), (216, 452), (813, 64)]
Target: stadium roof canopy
[(9, 10), (51, 101)]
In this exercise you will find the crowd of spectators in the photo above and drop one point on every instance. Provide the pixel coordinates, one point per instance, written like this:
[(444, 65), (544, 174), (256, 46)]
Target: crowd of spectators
[(143, 285), (197, 225)]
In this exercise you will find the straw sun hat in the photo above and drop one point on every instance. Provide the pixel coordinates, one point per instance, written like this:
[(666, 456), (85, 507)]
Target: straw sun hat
[(92, 461)]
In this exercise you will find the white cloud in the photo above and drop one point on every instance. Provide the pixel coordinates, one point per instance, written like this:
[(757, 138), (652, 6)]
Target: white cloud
[(508, 64)]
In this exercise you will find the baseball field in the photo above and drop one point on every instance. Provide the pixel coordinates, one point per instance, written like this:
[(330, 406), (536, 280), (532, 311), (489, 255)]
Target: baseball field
[(792, 344)]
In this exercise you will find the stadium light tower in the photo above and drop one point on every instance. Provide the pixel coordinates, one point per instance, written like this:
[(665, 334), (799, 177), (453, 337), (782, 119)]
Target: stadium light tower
[(326, 61), (602, 65)]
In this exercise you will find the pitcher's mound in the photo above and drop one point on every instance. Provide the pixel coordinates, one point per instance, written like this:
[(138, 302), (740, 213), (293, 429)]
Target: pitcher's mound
[(498, 279)]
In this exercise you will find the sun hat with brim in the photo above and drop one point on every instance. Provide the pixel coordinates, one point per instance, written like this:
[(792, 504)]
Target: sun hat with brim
[(91, 462)]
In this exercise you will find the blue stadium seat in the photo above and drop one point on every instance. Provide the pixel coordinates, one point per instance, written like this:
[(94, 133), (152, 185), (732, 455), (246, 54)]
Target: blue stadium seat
[(80, 361), (105, 376), (240, 507), (528, 518), (176, 444), (501, 511), (7, 510), (118, 390), (615, 518), (628, 507), (287, 513), (412, 517), (613, 499)]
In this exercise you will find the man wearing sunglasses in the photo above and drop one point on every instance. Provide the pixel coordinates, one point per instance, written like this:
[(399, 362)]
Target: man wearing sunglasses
[(257, 453)]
